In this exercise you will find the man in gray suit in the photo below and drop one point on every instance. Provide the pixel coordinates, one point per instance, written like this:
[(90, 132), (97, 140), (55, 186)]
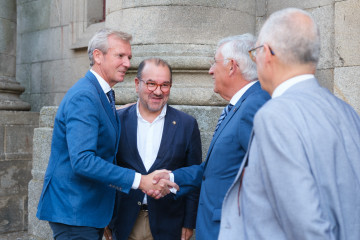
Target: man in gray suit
[(301, 176)]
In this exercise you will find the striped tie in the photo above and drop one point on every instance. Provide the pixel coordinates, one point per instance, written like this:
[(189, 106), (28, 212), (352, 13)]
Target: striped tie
[(111, 96), (223, 115)]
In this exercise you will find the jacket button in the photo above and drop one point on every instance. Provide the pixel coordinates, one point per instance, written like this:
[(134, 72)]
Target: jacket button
[(203, 178), (139, 203)]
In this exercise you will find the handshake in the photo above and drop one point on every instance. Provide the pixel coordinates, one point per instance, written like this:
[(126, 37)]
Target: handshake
[(157, 184)]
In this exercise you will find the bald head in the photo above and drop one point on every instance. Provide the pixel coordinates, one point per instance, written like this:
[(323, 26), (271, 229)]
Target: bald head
[(293, 36)]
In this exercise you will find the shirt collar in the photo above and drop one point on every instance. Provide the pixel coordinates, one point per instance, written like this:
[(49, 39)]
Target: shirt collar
[(160, 116), (103, 84), (279, 90), (241, 92)]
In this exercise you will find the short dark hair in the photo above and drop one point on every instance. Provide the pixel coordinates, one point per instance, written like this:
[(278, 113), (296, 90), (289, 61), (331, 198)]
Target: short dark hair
[(157, 62)]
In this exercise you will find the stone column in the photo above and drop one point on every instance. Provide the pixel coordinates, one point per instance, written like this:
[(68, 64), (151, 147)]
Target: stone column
[(183, 32), (10, 90)]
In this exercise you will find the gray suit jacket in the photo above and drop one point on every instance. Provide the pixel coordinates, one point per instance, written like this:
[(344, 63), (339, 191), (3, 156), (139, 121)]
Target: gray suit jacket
[(302, 172)]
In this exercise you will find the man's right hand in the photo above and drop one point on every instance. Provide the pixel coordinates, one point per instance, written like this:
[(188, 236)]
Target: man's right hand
[(159, 188)]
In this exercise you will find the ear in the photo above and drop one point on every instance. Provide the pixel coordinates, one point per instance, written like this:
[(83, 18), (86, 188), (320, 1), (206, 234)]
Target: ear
[(98, 56), (137, 82), (269, 54), (232, 67)]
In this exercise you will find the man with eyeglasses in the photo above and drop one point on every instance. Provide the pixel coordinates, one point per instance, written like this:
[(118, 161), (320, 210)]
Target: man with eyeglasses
[(235, 80), (155, 136), (301, 176)]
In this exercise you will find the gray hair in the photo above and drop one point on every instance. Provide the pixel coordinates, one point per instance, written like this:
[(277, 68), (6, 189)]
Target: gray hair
[(237, 47), (100, 41), (292, 40)]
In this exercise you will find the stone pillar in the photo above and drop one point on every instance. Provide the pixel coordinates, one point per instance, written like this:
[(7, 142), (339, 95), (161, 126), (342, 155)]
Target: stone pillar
[(184, 33), (10, 90)]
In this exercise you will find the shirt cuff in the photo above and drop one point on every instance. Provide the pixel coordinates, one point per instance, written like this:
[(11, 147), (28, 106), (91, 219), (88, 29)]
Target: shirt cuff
[(172, 179), (136, 182)]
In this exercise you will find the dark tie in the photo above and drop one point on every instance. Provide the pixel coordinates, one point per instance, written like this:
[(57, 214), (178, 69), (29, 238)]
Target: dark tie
[(223, 115), (111, 96)]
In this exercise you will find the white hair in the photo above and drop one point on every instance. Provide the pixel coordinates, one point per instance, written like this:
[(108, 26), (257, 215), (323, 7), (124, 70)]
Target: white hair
[(237, 47), (293, 38)]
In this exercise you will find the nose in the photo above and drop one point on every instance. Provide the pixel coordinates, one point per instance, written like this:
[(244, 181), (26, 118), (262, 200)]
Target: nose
[(157, 91), (126, 62), (211, 71)]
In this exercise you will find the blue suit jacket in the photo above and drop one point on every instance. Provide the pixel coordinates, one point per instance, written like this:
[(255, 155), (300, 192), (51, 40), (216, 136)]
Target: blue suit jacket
[(180, 146), (302, 172), (222, 163), (81, 178)]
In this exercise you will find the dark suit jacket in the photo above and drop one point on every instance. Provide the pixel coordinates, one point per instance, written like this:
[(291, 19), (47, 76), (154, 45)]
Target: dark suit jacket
[(222, 163), (180, 146), (81, 177)]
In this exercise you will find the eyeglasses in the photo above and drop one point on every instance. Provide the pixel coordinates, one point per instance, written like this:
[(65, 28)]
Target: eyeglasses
[(252, 52), (152, 86)]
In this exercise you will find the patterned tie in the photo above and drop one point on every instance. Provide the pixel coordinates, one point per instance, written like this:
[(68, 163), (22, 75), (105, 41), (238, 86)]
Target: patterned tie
[(223, 115), (111, 96)]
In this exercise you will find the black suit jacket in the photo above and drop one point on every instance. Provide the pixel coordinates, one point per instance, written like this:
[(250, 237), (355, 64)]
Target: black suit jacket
[(180, 146)]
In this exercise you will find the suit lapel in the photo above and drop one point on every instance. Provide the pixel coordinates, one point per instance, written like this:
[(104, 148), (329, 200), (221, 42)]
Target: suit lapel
[(170, 126), (131, 123), (104, 101), (253, 88)]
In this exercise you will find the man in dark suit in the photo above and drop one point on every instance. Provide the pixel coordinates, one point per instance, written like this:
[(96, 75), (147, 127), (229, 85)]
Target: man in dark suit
[(236, 81), (155, 136), (81, 179)]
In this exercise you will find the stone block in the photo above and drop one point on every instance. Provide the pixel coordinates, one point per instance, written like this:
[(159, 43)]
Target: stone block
[(37, 229), (324, 17), (8, 10), (12, 213), (47, 117), (326, 78), (178, 24), (11, 118), (41, 152), (347, 33), (14, 178), (32, 17), (46, 45), (347, 85), (18, 139), (275, 5)]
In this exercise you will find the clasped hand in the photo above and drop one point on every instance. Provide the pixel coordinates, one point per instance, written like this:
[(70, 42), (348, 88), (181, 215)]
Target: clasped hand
[(157, 184)]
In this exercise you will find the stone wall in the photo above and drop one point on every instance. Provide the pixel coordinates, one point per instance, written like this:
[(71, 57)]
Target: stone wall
[(16, 146)]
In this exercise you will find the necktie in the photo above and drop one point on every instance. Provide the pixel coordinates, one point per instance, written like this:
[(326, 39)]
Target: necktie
[(223, 115), (111, 96)]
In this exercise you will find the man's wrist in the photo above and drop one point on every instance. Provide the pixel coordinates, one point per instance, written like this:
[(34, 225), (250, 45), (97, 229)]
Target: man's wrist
[(136, 182)]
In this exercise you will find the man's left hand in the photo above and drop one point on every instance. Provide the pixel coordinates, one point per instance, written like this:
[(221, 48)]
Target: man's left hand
[(186, 233)]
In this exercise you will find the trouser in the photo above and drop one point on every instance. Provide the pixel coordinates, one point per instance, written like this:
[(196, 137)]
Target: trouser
[(141, 229), (68, 232)]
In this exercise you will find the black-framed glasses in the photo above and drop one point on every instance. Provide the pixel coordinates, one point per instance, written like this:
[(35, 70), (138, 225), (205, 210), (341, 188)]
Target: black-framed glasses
[(152, 86), (252, 52)]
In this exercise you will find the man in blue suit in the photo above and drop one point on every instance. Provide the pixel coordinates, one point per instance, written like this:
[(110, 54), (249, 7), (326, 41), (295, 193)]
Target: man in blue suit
[(301, 177), (155, 136), (236, 81), (81, 179)]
